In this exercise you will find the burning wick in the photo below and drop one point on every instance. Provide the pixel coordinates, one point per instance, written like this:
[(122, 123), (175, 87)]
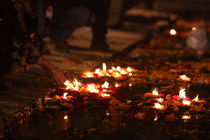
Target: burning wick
[(65, 95), (196, 99), (104, 66), (185, 117), (89, 74), (182, 93), (118, 68), (105, 95), (156, 118), (65, 117), (116, 85), (129, 69), (160, 100), (155, 92), (159, 106), (194, 28), (184, 78), (105, 85), (172, 32), (186, 102)]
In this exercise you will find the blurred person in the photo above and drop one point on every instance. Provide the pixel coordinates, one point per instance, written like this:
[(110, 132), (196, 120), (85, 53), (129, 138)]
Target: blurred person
[(69, 15), (19, 43)]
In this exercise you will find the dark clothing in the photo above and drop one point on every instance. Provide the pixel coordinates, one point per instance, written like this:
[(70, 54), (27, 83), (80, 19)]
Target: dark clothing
[(16, 43), (71, 14)]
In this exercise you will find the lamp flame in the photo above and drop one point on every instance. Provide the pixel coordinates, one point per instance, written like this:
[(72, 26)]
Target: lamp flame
[(105, 85), (184, 78), (172, 32), (65, 117), (185, 117), (159, 106), (104, 66), (155, 92), (182, 93), (65, 95), (196, 98), (186, 102), (129, 69)]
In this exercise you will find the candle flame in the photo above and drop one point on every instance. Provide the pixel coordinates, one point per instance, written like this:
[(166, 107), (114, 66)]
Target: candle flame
[(104, 66), (105, 85), (184, 78), (186, 102), (98, 71), (92, 88), (123, 71), (156, 118), (65, 117), (118, 68), (105, 95), (130, 74), (116, 85), (172, 32), (89, 74), (194, 28), (159, 106), (196, 98), (185, 117), (160, 100), (182, 93), (65, 95), (129, 69), (155, 92)]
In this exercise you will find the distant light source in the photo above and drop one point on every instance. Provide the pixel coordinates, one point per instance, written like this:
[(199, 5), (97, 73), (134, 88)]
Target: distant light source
[(172, 32), (194, 28)]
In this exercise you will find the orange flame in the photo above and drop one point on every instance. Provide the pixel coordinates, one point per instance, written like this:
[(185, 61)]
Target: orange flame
[(105, 85), (92, 88), (65, 117), (159, 106), (185, 117), (184, 78), (65, 95), (182, 93), (129, 69), (155, 92), (186, 102), (172, 32), (196, 98), (104, 66)]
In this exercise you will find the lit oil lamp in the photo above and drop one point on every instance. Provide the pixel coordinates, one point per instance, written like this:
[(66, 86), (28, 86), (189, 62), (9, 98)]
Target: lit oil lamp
[(88, 75), (182, 93), (186, 117), (153, 94), (65, 117), (65, 95), (186, 103), (181, 96), (173, 32), (158, 106), (194, 28), (160, 100), (129, 69), (105, 95), (105, 85), (104, 66), (184, 78), (92, 88), (196, 99)]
